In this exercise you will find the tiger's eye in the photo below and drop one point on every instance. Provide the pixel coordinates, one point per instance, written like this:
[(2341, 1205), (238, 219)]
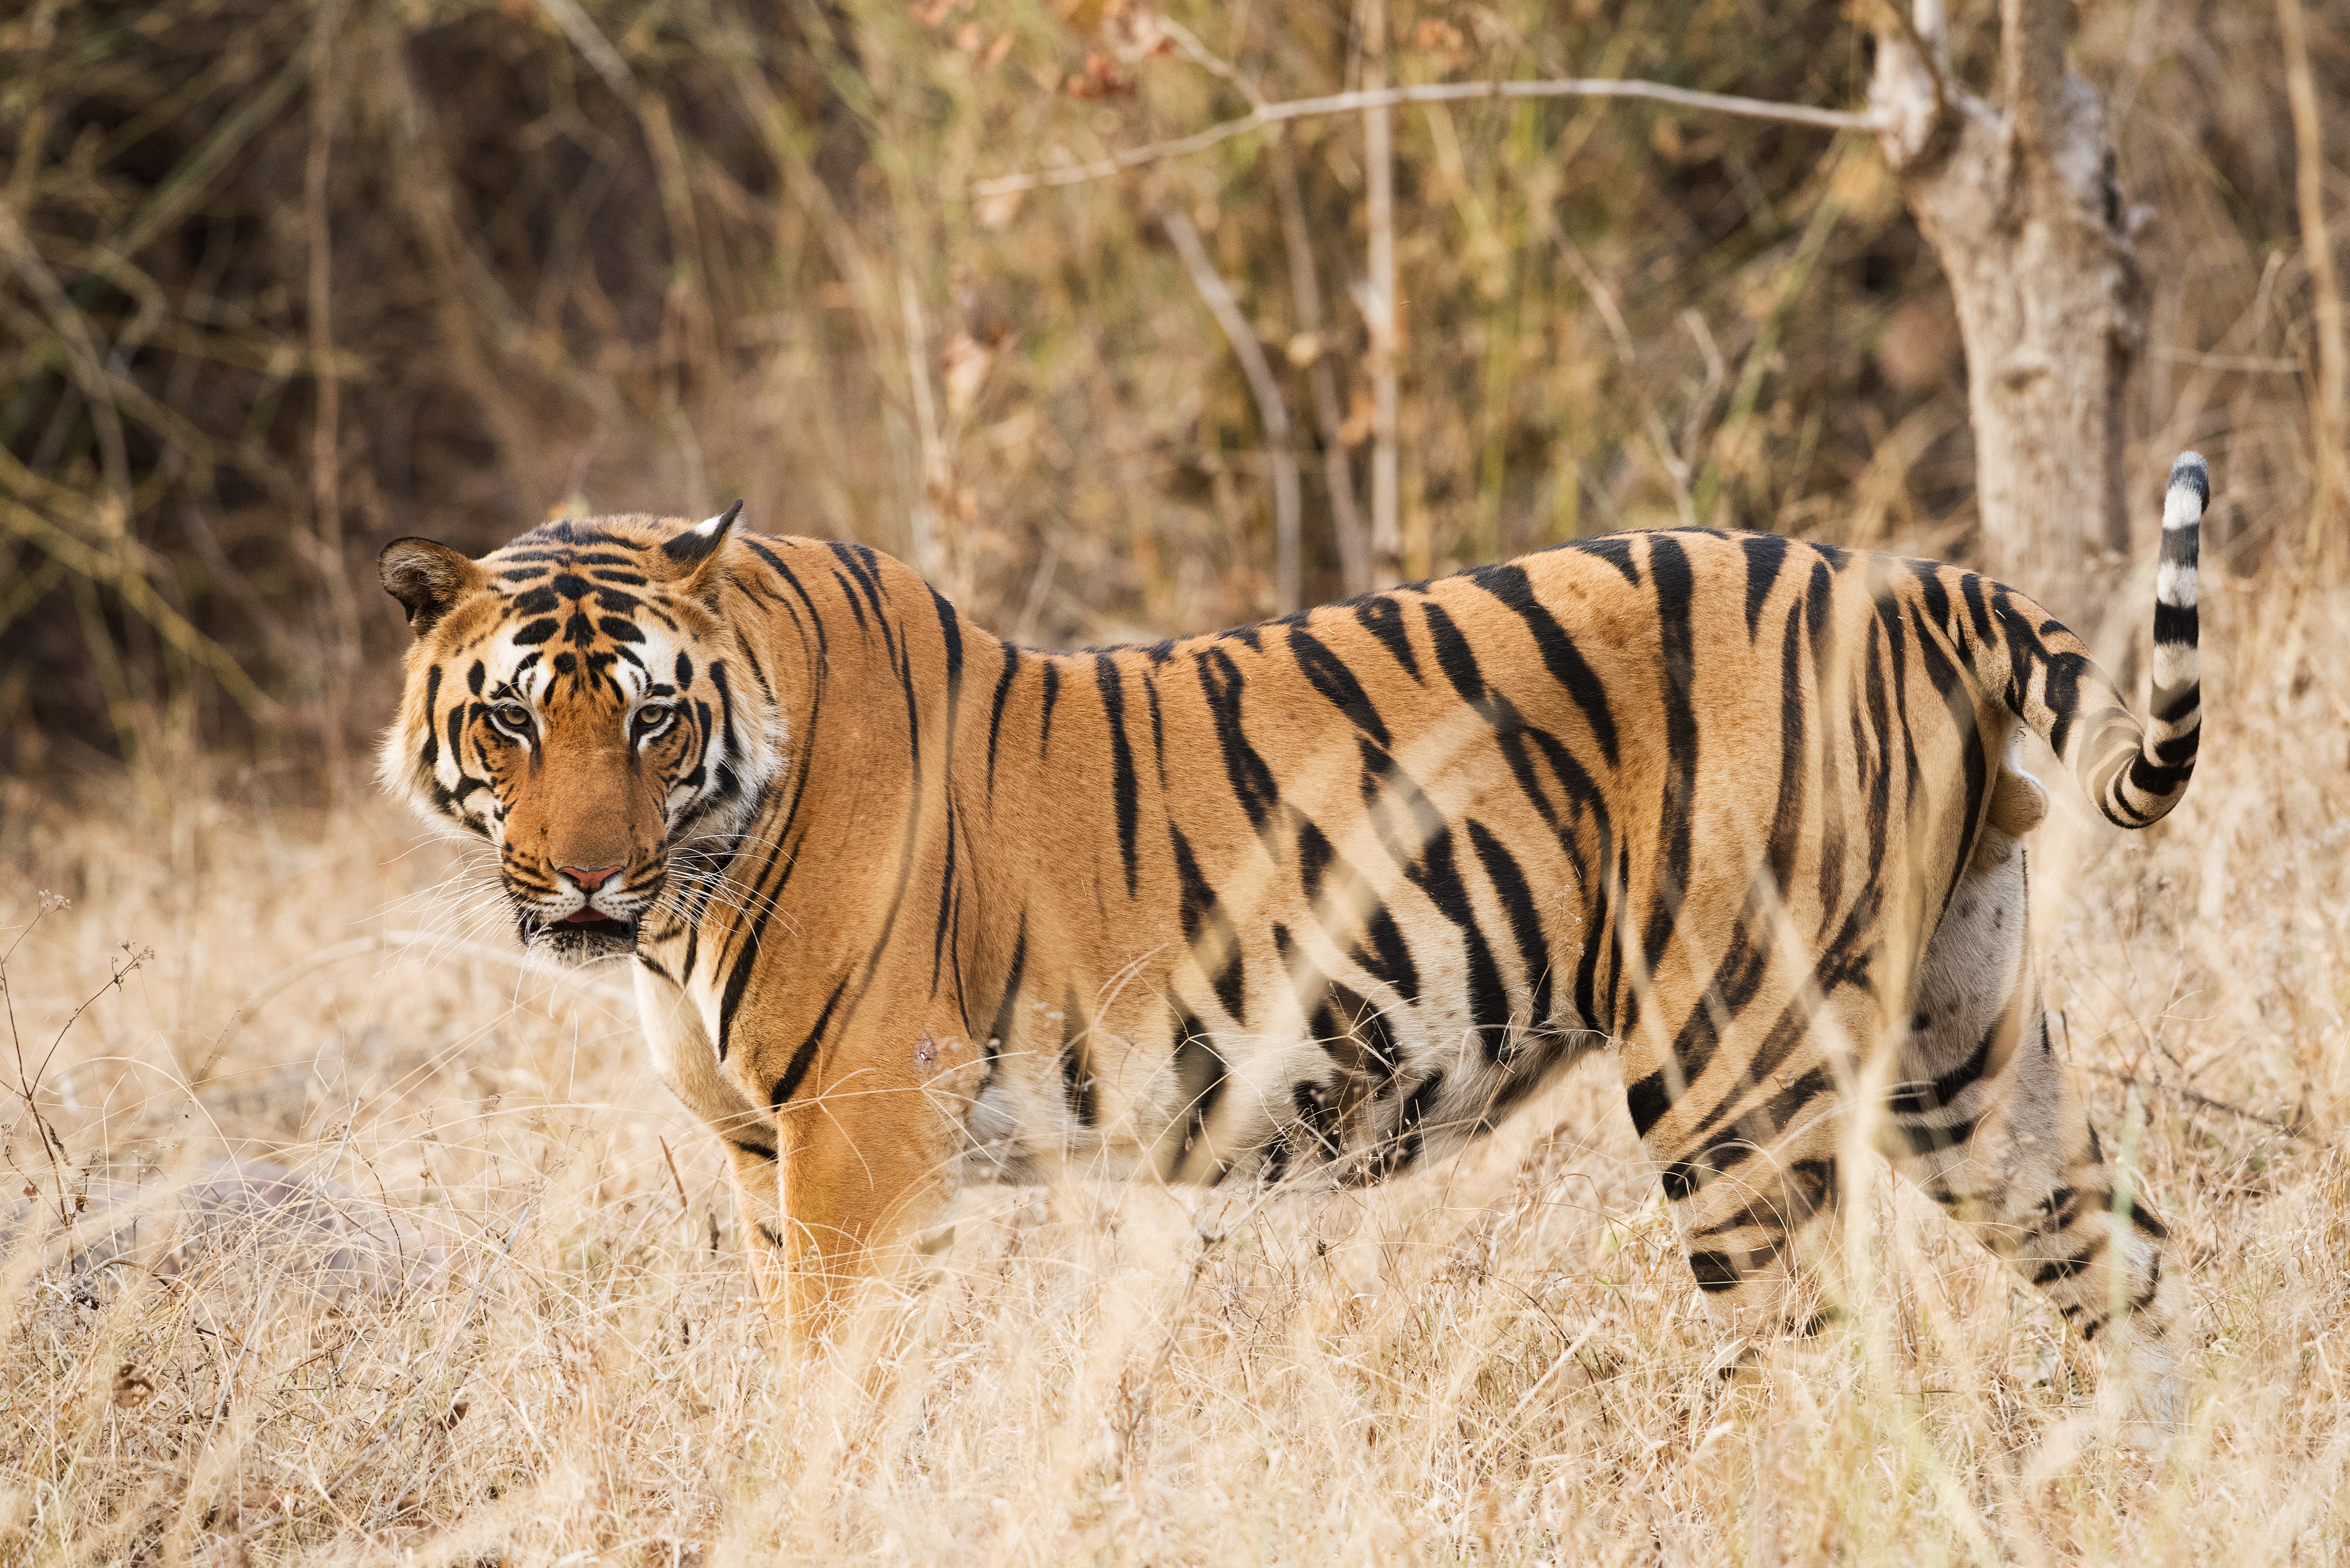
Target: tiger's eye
[(513, 715)]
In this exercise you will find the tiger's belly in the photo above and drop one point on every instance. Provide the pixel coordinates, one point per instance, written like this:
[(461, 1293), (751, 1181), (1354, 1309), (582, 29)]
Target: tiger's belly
[(1319, 1070)]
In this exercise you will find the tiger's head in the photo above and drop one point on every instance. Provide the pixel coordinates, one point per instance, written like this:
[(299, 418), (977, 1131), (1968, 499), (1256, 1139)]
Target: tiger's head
[(579, 700)]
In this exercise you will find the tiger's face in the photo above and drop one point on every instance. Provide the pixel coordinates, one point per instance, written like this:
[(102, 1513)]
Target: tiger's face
[(572, 699)]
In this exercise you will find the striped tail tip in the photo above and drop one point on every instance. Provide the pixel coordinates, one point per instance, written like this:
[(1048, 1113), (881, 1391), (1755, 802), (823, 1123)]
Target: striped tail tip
[(2175, 585), (2158, 776)]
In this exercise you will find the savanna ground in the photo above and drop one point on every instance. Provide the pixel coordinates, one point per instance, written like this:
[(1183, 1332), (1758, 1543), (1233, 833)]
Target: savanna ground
[(1501, 1358)]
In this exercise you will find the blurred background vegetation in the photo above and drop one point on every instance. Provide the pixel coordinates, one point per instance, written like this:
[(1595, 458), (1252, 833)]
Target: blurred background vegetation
[(281, 280)]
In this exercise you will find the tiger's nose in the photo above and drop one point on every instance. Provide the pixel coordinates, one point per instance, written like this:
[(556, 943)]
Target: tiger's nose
[(589, 878)]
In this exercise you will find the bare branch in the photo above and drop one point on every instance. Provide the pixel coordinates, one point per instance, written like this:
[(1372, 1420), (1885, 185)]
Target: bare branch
[(1910, 94), (1431, 92), (591, 42), (2032, 67), (1271, 408)]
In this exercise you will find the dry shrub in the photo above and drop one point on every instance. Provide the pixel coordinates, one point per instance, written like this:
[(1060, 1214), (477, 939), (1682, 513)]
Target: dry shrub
[(291, 279)]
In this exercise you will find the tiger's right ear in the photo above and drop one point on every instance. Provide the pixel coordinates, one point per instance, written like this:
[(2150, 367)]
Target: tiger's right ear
[(427, 578)]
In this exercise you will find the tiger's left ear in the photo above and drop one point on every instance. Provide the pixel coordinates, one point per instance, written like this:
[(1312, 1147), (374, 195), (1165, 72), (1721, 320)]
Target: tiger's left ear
[(699, 547)]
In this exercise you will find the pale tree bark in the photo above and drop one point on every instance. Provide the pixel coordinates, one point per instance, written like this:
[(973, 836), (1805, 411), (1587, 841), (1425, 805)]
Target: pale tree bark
[(2020, 201)]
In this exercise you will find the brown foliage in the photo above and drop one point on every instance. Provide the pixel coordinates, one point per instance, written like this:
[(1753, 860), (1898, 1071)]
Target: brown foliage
[(584, 254)]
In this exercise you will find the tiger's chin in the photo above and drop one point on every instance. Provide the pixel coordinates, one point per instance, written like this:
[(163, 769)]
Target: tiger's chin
[(578, 944)]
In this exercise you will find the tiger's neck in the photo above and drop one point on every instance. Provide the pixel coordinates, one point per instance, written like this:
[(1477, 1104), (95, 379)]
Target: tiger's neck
[(883, 863)]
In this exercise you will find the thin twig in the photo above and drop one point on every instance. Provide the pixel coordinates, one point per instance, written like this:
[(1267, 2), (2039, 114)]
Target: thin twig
[(598, 50), (1271, 408), (1429, 93), (2130, 1080), (671, 1160)]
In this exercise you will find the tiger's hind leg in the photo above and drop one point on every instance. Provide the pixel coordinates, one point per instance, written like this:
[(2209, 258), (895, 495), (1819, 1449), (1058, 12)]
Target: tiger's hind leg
[(1984, 1116), (1744, 1129)]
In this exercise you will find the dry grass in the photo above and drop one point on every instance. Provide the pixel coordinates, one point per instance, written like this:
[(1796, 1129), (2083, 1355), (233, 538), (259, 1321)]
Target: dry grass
[(1500, 1359)]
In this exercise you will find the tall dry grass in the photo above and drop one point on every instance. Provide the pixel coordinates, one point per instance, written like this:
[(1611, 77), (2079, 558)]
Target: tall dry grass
[(1501, 1359)]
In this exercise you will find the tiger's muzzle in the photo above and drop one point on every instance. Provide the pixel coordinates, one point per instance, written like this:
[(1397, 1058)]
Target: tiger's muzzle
[(590, 915)]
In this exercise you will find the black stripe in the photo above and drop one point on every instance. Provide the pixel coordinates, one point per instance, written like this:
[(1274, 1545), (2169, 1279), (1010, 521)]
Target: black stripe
[(1616, 549), (995, 718), (1752, 1131), (1766, 555), (864, 565), (1511, 585), (1052, 695), (1001, 1034), (1391, 956), (805, 1057), (1382, 616), (1199, 1080), (946, 897), (1252, 782), (1207, 929), (1489, 1001), (2060, 1269), (1668, 568), (1329, 675), (1158, 729), (1123, 788), (1077, 1069), (1914, 1099), (1715, 1272), (431, 722), (1525, 921)]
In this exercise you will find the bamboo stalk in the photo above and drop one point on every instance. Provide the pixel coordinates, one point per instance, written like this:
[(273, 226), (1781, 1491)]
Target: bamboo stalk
[(1271, 408)]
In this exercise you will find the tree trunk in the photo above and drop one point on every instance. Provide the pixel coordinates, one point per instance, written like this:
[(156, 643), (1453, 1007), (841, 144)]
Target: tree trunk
[(2021, 207)]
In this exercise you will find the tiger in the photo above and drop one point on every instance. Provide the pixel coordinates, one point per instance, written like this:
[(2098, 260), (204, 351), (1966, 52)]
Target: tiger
[(1317, 901)]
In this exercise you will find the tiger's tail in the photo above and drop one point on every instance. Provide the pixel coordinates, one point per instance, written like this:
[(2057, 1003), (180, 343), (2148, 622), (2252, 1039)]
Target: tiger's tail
[(2135, 773)]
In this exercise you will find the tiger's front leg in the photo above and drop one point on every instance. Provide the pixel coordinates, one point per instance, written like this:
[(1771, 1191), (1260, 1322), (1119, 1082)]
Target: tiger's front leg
[(864, 1171)]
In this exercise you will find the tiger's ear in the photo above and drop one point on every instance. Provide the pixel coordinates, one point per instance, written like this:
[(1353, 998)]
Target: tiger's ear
[(699, 548), (428, 579)]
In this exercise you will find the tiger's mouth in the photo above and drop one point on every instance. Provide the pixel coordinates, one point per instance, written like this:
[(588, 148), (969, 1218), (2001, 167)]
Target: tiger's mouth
[(576, 941)]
